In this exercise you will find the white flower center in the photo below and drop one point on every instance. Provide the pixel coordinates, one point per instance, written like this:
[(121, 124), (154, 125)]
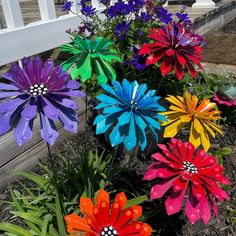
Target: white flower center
[(189, 167), (109, 231), (38, 89)]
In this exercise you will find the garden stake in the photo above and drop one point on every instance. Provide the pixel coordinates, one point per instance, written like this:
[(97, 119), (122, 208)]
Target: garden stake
[(54, 177)]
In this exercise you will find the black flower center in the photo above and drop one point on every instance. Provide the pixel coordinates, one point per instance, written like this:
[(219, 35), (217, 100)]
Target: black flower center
[(38, 89), (189, 167), (109, 231)]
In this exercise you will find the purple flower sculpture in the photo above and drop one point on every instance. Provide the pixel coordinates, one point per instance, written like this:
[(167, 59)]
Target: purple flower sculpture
[(38, 88)]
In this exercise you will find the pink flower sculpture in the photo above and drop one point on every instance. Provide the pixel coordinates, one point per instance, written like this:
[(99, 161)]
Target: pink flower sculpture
[(223, 100), (195, 176)]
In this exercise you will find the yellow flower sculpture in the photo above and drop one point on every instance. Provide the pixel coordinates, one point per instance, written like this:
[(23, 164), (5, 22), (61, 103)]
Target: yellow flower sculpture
[(185, 112)]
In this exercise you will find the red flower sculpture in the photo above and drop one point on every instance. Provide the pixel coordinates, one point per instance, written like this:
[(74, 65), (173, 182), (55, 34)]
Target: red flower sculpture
[(176, 46), (101, 220), (195, 176)]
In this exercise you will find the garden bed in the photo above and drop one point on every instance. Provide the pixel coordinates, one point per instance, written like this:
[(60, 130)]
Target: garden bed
[(220, 45)]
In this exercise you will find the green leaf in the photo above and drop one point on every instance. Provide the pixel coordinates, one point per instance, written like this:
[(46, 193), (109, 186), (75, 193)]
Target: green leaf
[(225, 151), (42, 182), (60, 219), (29, 217), (11, 228), (136, 201), (45, 224)]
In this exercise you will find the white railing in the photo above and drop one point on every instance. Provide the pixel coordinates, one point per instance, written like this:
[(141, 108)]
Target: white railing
[(19, 40), (197, 4)]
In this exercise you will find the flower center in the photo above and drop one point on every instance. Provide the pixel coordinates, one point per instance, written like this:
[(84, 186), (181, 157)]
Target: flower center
[(38, 89), (109, 231), (189, 167)]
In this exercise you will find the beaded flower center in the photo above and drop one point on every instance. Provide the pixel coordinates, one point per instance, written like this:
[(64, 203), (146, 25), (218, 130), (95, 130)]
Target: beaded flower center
[(109, 231), (189, 167), (38, 89)]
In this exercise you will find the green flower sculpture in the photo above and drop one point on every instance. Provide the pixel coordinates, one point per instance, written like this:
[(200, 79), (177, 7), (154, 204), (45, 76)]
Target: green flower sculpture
[(91, 56)]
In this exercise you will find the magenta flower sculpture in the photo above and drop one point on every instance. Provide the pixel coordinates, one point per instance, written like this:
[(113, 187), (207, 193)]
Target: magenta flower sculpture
[(37, 88), (224, 100), (192, 176)]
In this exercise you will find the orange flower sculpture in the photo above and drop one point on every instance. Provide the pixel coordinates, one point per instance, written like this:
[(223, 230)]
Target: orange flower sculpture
[(186, 112), (100, 219)]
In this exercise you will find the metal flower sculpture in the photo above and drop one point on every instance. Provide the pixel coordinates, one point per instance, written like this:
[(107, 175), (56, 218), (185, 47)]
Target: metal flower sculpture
[(131, 112), (91, 56), (190, 175), (105, 220), (38, 88), (175, 47), (185, 112)]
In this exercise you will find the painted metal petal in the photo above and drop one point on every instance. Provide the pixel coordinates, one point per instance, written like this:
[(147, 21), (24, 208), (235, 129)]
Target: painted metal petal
[(11, 105), (23, 131), (130, 140), (193, 209), (69, 121), (47, 70), (9, 94), (49, 109), (70, 93), (174, 201), (141, 131), (5, 122), (37, 67), (72, 84), (4, 86), (48, 130), (158, 190), (115, 136)]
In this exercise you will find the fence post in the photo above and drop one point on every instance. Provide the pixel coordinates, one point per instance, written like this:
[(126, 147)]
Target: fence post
[(47, 10), (12, 13), (204, 4)]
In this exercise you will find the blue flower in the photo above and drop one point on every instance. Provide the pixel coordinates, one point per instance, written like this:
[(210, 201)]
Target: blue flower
[(121, 30), (67, 6), (88, 10), (145, 17), (163, 15), (138, 61), (119, 9), (129, 111), (183, 17)]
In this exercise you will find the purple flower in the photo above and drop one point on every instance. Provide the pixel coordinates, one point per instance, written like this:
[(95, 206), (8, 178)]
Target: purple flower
[(67, 6), (121, 30), (145, 17), (88, 10), (183, 17), (163, 15), (38, 88), (138, 61), (120, 9)]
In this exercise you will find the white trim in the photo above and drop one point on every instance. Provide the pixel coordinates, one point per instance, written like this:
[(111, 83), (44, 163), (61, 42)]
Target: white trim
[(35, 38), (12, 13), (47, 10)]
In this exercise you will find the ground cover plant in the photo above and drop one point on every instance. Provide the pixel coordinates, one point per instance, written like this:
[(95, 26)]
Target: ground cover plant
[(148, 160)]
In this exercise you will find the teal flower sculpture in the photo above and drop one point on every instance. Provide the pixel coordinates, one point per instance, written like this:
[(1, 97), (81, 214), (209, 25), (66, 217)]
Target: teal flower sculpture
[(129, 112), (89, 57)]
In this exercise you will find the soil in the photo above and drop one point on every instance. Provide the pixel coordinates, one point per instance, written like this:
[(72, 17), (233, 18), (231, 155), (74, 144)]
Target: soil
[(221, 45), (175, 225)]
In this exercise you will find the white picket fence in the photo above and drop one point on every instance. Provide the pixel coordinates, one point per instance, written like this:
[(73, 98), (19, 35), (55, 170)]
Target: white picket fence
[(19, 40)]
